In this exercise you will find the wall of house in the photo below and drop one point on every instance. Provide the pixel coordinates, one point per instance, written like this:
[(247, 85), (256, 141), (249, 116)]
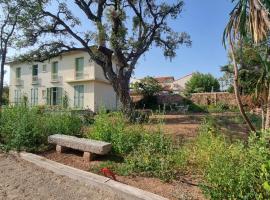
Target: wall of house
[(66, 73), (105, 97)]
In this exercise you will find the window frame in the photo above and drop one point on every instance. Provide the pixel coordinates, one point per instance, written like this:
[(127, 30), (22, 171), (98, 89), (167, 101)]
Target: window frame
[(79, 91)]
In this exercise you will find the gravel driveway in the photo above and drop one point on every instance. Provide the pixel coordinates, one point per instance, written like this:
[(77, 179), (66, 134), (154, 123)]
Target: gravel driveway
[(22, 180)]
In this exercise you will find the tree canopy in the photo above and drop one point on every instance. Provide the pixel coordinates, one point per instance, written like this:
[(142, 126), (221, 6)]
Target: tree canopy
[(119, 32), (200, 82), (147, 86)]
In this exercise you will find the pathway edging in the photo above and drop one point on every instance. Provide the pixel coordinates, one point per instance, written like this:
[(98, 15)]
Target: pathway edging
[(93, 180)]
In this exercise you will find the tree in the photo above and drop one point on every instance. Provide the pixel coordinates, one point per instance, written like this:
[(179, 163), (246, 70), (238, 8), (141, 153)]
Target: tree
[(202, 83), (14, 17), (248, 16), (118, 31), (8, 22), (254, 74), (148, 87)]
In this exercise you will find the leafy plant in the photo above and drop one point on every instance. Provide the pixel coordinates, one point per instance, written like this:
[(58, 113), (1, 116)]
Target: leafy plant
[(201, 83), (229, 170), (24, 128)]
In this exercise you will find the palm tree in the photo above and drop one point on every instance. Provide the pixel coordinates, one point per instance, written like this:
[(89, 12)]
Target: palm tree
[(247, 17)]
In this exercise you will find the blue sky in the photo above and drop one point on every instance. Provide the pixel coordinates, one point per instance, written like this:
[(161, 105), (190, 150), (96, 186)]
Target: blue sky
[(204, 20)]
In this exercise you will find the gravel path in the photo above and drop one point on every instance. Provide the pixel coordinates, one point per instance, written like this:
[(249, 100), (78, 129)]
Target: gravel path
[(20, 180)]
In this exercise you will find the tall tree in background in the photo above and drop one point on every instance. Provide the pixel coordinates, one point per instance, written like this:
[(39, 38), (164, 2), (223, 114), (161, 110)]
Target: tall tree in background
[(247, 17), (8, 23), (119, 31), (14, 17)]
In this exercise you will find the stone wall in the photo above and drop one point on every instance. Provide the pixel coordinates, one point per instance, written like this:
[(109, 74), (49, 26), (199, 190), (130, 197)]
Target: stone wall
[(169, 99), (161, 98), (221, 97)]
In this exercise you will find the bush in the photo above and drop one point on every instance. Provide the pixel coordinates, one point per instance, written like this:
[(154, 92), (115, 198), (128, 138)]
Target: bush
[(113, 128), (24, 128), (147, 153), (229, 170)]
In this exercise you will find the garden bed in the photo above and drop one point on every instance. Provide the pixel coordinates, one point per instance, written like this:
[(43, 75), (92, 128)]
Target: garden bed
[(185, 188)]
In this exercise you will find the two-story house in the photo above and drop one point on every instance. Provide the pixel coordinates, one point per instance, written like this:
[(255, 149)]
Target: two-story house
[(71, 76)]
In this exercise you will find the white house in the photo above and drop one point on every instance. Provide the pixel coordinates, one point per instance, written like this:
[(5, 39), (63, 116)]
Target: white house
[(71, 76)]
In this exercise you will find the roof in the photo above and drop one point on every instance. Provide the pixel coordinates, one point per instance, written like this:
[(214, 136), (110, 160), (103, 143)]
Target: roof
[(185, 76), (165, 79)]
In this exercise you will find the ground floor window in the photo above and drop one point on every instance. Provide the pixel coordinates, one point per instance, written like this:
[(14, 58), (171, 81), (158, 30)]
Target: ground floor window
[(17, 97), (54, 96), (78, 96), (34, 96)]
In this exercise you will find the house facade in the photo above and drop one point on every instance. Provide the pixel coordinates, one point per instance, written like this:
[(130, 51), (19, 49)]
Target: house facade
[(71, 79)]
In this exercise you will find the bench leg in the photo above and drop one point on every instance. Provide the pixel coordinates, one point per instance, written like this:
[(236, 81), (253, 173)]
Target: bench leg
[(87, 156), (59, 149)]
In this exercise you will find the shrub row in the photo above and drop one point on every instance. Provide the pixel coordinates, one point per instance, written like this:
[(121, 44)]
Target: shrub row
[(24, 128)]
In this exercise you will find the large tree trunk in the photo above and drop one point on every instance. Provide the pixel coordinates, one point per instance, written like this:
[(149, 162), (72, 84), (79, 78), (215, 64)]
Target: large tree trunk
[(236, 89), (3, 60), (121, 86), (267, 120)]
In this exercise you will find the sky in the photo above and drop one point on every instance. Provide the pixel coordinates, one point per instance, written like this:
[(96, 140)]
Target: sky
[(204, 21)]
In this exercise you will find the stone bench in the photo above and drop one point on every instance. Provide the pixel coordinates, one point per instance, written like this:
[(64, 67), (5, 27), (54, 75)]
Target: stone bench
[(89, 147)]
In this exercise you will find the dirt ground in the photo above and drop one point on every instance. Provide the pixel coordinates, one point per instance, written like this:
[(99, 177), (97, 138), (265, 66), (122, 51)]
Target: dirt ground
[(184, 189), (20, 180)]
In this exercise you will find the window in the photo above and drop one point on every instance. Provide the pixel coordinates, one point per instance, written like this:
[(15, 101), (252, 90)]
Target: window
[(55, 70), (35, 70), (78, 96), (54, 96), (35, 74), (18, 73), (17, 97), (79, 68), (34, 96), (44, 68)]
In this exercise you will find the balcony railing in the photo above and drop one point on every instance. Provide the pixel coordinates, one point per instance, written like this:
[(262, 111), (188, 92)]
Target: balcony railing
[(18, 82), (81, 75), (35, 79), (55, 77)]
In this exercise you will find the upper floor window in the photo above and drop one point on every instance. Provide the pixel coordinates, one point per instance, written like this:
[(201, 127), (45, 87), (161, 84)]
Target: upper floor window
[(55, 70), (18, 73), (34, 74), (79, 68), (44, 68), (35, 70)]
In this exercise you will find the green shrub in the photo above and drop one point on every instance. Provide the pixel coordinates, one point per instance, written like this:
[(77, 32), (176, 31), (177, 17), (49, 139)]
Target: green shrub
[(146, 153), (113, 128), (153, 157), (24, 128), (229, 170)]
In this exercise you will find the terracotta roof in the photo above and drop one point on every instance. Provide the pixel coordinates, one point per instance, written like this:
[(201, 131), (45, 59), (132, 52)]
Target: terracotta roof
[(165, 79)]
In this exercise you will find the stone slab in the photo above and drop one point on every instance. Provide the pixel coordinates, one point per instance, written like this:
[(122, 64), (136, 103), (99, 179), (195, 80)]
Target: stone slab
[(93, 180), (82, 144)]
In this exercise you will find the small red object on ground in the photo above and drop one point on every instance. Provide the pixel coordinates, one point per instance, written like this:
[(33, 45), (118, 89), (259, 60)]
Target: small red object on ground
[(108, 173)]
